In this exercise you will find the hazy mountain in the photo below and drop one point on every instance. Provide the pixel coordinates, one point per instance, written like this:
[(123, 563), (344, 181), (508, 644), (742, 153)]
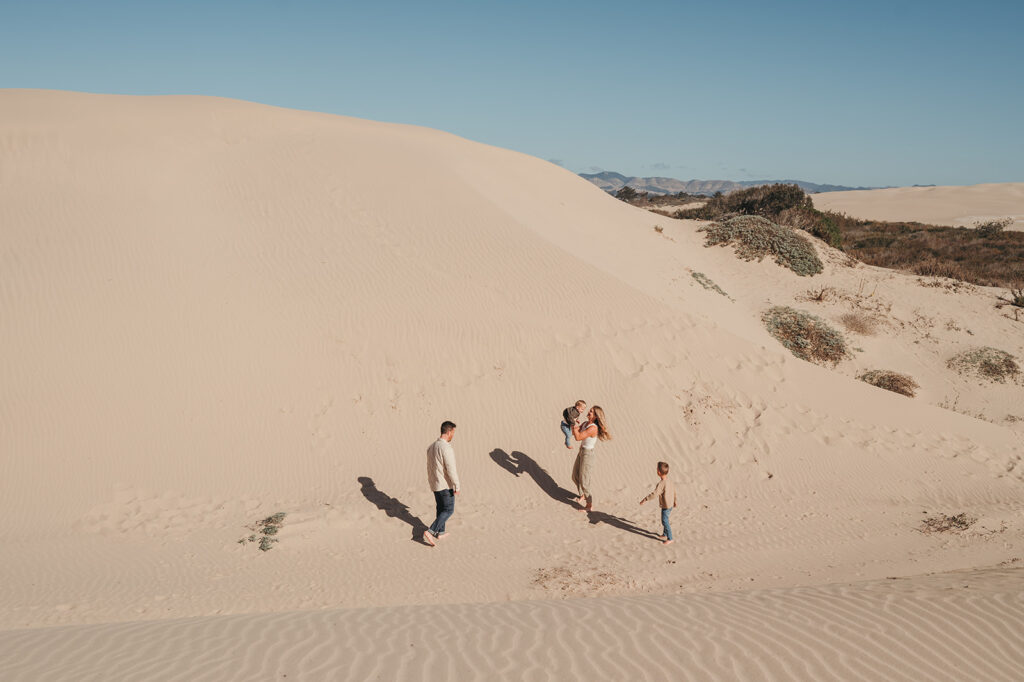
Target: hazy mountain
[(612, 182)]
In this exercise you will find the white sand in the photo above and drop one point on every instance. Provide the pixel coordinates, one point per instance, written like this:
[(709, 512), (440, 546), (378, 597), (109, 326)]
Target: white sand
[(957, 206), (214, 311)]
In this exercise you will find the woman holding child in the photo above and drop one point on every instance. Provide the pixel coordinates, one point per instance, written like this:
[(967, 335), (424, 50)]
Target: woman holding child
[(593, 430)]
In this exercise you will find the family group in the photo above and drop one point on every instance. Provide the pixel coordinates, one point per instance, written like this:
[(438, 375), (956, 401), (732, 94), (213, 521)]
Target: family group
[(443, 476)]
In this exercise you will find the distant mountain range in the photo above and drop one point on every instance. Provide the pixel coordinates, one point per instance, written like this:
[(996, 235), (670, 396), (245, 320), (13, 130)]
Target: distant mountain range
[(613, 182)]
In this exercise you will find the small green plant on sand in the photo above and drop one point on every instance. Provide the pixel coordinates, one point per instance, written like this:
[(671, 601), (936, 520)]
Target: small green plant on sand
[(890, 381), (806, 336), (986, 362), (706, 282), (265, 529), (755, 237)]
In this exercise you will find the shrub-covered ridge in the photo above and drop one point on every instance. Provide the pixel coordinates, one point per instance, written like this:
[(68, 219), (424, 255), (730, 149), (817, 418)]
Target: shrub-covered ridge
[(755, 237)]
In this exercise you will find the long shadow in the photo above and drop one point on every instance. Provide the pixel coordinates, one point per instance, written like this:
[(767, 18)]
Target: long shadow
[(520, 463), (596, 517), (392, 506)]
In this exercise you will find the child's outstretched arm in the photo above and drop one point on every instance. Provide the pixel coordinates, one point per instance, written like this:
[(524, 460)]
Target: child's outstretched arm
[(654, 493)]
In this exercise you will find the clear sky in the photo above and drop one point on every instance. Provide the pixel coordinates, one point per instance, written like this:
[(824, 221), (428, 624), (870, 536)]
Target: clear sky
[(858, 93)]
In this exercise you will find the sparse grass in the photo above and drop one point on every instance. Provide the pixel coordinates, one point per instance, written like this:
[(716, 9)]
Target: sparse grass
[(891, 381), (859, 323), (706, 282), (820, 294), (955, 252), (266, 528), (987, 363), (1014, 297), (954, 286), (946, 524), (754, 237), (807, 336)]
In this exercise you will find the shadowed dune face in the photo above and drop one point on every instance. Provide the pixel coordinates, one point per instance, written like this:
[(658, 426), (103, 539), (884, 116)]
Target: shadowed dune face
[(215, 311)]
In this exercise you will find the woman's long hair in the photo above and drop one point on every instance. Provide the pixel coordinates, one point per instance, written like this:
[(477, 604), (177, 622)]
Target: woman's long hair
[(602, 425)]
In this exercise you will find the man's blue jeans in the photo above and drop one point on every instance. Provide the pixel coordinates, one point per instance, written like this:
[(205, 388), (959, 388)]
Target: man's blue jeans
[(445, 502), (568, 434), (665, 524)]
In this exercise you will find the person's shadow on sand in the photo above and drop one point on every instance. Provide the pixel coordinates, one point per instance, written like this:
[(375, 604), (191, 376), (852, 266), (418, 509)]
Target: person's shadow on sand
[(596, 517), (520, 463), (392, 506)]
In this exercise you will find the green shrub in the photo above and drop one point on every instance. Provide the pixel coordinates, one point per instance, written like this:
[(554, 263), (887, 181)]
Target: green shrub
[(754, 237), (807, 336), (987, 363), (782, 204), (890, 381), (992, 228)]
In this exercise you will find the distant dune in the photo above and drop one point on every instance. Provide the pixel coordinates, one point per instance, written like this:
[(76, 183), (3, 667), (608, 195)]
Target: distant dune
[(612, 182), (956, 206), (214, 311)]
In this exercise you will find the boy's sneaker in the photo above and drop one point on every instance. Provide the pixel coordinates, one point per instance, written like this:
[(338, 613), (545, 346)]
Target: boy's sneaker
[(428, 538)]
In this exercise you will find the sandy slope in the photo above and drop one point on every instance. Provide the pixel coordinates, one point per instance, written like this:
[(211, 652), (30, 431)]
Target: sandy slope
[(957, 206), (965, 625), (216, 310)]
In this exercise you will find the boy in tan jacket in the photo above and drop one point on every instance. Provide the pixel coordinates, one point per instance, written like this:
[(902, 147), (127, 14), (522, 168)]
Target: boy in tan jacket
[(666, 494)]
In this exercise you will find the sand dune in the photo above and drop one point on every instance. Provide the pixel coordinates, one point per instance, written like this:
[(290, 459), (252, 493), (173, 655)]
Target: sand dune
[(949, 627), (215, 311), (956, 206)]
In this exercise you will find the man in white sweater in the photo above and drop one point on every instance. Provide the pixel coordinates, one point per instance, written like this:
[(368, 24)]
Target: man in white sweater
[(443, 479)]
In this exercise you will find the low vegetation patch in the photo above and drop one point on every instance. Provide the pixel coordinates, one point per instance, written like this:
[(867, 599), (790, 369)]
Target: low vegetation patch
[(859, 323), (986, 254), (946, 524), (1015, 297), (986, 362), (754, 237), (264, 531), (647, 200), (891, 381), (958, 253), (806, 336), (706, 282)]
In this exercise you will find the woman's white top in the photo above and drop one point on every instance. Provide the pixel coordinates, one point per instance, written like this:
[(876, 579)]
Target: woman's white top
[(589, 443)]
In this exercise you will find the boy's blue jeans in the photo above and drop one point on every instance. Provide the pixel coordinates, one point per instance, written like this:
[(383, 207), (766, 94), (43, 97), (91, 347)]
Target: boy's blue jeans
[(568, 434), (665, 524)]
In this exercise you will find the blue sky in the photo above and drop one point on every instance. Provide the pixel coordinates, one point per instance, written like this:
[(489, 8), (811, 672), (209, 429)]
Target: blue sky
[(867, 93)]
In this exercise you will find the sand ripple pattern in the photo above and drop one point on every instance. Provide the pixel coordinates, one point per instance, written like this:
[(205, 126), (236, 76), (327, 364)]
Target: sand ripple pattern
[(967, 625)]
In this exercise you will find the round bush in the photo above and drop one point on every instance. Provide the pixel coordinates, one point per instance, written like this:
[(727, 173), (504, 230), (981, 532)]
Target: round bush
[(806, 336), (987, 363), (755, 237), (890, 381)]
